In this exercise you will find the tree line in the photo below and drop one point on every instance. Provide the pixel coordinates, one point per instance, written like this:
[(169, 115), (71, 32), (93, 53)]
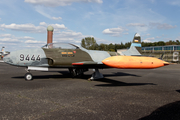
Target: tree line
[(90, 44)]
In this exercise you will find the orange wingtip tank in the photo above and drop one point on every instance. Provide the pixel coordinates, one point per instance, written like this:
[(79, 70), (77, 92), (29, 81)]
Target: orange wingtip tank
[(134, 62)]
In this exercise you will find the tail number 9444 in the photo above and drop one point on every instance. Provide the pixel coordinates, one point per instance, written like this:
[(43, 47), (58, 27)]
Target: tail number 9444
[(28, 57)]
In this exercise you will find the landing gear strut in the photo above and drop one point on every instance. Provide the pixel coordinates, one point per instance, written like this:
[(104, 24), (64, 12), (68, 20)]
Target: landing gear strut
[(28, 76), (96, 75)]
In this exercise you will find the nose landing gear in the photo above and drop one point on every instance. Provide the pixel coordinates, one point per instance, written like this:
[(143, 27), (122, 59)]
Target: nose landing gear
[(28, 76)]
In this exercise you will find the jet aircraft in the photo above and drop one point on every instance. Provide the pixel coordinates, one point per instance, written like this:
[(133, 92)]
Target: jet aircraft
[(78, 59), (3, 52)]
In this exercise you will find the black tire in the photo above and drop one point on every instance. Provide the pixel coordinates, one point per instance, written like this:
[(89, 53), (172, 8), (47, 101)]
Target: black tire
[(28, 77)]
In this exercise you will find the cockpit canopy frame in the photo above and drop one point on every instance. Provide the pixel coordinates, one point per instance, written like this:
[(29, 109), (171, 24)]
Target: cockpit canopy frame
[(60, 46)]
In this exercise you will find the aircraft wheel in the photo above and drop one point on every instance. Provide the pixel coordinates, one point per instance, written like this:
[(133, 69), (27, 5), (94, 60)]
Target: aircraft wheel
[(28, 77)]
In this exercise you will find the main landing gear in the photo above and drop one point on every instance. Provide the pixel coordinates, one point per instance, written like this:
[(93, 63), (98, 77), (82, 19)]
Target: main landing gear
[(77, 72), (96, 75)]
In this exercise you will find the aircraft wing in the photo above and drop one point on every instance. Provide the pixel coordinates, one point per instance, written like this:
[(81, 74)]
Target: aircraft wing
[(89, 64), (86, 63)]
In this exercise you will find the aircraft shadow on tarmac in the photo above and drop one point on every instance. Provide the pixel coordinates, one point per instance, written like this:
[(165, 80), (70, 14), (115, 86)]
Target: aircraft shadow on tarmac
[(65, 74), (178, 91), (170, 111), (108, 82), (120, 74), (113, 83)]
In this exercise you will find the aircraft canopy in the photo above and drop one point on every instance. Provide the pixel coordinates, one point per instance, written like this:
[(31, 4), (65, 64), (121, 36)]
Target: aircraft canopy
[(60, 46)]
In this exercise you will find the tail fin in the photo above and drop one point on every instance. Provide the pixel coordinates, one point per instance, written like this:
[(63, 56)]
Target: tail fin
[(135, 48), (2, 52), (137, 42)]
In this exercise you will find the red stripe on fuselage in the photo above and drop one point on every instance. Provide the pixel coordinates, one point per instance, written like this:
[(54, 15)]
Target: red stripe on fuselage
[(77, 63)]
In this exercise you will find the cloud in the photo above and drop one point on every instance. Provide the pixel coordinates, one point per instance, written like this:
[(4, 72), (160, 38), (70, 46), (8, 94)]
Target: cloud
[(25, 38), (43, 24), (115, 31), (23, 27), (44, 11), (30, 46), (62, 34), (42, 28), (8, 38), (100, 40), (158, 37), (35, 42), (41, 10), (74, 37), (152, 1), (149, 39), (5, 35), (12, 42), (157, 25), (58, 26), (136, 25), (55, 3), (56, 18), (175, 2), (146, 41), (70, 36), (164, 26)]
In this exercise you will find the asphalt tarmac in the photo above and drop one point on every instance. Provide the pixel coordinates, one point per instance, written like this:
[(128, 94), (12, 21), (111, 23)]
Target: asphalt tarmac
[(122, 95)]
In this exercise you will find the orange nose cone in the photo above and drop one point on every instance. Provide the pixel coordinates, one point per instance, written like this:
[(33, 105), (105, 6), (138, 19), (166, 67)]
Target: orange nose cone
[(134, 62), (112, 62)]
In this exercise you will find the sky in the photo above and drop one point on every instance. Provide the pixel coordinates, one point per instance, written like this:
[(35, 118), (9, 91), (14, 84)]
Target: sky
[(23, 23)]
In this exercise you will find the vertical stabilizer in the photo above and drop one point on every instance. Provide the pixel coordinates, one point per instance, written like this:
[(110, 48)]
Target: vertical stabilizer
[(2, 50), (135, 48), (137, 42)]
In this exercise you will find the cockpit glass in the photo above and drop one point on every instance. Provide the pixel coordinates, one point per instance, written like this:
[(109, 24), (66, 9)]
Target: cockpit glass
[(60, 46)]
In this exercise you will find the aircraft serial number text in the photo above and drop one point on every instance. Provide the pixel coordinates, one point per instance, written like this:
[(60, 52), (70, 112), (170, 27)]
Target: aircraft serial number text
[(28, 57)]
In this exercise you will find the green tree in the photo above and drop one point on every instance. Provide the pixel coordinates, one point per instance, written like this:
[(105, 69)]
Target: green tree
[(127, 45), (161, 43), (177, 42), (111, 47), (83, 43), (102, 47), (89, 43)]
